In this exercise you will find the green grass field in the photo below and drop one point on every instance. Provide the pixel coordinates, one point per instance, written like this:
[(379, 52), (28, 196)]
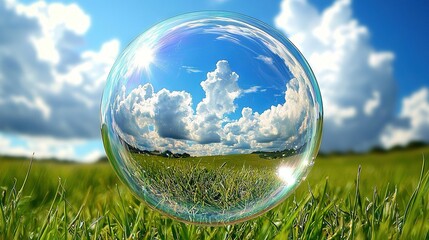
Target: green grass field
[(389, 200), (210, 189)]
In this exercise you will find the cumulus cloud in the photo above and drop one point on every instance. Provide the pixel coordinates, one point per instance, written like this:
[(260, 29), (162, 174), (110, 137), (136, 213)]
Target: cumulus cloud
[(412, 123), (166, 119), (221, 90), (354, 78), (49, 88), (170, 113), (135, 110), (173, 114), (288, 120), (372, 104), (57, 23), (282, 126)]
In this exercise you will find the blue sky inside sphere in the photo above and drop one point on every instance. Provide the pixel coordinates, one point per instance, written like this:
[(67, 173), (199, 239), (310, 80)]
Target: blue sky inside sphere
[(369, 58)]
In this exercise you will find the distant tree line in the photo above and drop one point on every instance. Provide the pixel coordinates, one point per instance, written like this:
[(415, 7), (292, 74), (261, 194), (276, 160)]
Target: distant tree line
[(280, 154), (378, 149), (166, 153), (410, 145)]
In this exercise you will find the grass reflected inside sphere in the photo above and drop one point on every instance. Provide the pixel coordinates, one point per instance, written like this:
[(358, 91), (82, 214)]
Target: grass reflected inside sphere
[(211, 117)]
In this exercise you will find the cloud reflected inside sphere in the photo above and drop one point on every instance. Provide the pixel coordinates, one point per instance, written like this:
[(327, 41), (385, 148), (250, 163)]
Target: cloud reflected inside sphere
[(211, 117)]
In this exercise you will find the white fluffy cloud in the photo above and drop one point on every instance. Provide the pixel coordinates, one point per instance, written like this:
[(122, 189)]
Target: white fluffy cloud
[(44, 77), (170, 113), (166, 120), (49, 87), (282, 126), (55, 20), (173, 114), (412, 123), (355, 79), (135, 110), (221, 90), (372, 103)]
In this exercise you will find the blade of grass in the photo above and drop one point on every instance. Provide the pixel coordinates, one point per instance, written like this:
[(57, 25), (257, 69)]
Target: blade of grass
[(354, 209)]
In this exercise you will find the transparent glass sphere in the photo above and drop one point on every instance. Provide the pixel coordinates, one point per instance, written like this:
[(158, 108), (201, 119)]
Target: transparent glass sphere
[(211, 117)]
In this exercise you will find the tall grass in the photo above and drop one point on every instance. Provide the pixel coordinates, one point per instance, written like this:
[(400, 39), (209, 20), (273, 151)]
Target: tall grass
[(386, 198), (203, 192)]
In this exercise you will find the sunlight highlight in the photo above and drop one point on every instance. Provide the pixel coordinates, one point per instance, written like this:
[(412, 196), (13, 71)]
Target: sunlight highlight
[(286, 174), (144, 57)]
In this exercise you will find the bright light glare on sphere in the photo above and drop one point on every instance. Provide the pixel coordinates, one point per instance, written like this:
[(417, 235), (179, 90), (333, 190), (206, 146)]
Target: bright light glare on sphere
[(211, 117)]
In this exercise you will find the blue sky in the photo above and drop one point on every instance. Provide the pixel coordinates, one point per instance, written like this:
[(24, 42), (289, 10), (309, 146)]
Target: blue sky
[(368, 56)]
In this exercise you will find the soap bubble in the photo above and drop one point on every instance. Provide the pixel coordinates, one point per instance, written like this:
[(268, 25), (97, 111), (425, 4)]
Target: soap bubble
[(211, 117)]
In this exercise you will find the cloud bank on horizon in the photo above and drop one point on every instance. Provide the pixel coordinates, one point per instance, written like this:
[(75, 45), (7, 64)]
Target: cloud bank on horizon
[(50, 89), (166, 120)]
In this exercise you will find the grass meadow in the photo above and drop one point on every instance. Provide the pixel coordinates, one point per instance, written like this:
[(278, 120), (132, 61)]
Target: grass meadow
[(196, 188), (354, 196)]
